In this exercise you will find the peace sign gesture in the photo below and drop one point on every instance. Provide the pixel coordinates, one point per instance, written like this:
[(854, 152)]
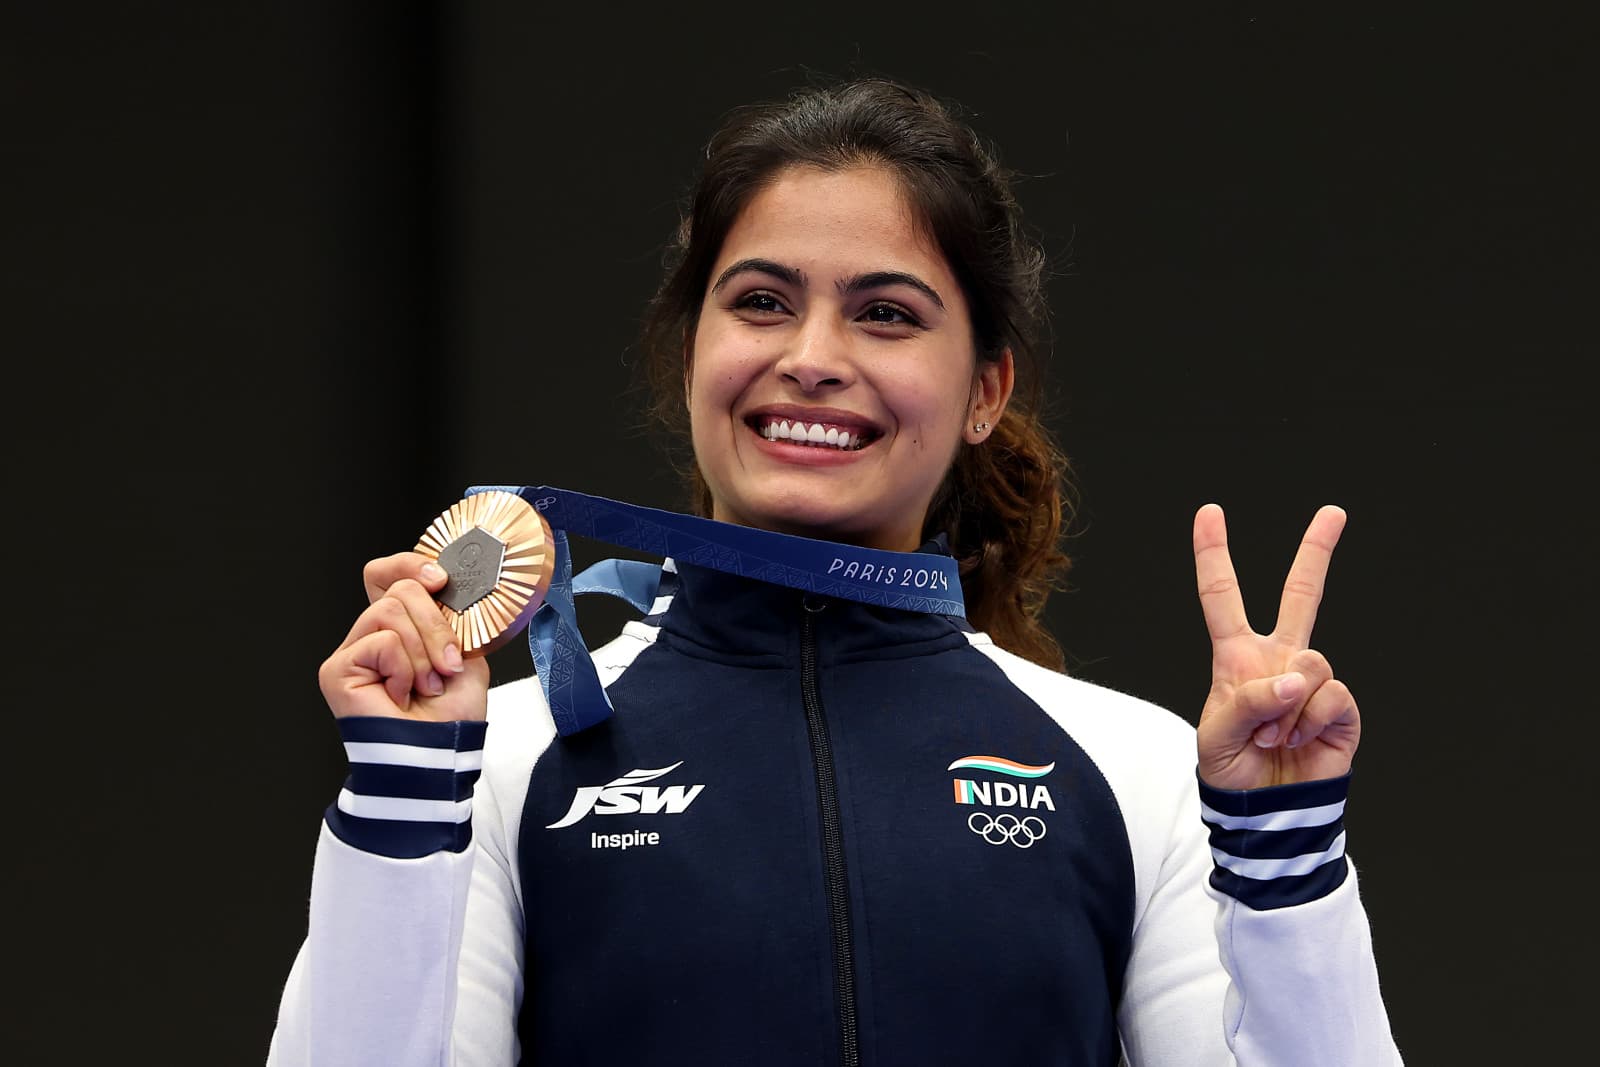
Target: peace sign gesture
[(1275, 713)]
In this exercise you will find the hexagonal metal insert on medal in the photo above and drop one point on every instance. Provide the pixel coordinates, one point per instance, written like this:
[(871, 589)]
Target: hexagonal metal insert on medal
[(473, 563)]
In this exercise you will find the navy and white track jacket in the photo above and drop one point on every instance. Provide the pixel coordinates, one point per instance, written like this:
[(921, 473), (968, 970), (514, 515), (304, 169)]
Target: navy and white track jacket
[(819, 832)]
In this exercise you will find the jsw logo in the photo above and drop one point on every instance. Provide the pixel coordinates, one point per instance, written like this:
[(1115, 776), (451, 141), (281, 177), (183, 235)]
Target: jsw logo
[(629, 795)]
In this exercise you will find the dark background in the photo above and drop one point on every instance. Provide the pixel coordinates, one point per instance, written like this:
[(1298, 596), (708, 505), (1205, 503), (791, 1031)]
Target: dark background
[(282, 279)]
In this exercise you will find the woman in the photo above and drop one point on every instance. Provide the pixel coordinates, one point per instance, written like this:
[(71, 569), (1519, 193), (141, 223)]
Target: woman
[(817, 831)]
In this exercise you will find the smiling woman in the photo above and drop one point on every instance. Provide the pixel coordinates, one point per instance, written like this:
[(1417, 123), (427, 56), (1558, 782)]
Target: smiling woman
[(829, 811), (830, 319), (867, 246)]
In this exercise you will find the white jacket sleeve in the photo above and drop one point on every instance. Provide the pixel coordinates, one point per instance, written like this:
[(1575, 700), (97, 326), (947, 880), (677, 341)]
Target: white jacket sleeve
[(396, 873), (375, 979), (1291, 931), (1252, 947)]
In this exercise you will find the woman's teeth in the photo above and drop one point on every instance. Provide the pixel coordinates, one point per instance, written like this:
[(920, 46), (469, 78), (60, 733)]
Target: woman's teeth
[(815, 434)]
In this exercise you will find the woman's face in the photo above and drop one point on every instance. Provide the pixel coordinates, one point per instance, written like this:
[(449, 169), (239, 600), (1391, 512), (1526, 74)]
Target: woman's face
[(833, 373)]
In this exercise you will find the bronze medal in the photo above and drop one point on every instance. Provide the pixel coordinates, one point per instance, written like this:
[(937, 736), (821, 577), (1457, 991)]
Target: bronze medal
[(498, 552)]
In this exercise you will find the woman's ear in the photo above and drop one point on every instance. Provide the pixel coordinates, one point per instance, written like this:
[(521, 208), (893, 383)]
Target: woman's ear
[(991, 390)]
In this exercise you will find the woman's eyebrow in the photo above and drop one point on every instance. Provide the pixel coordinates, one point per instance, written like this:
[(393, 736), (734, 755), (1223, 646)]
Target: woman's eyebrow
[(879, 278), (788, 275)]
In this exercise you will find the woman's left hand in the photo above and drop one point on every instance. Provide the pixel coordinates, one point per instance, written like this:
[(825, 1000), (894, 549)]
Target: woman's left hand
[(1275, 713)]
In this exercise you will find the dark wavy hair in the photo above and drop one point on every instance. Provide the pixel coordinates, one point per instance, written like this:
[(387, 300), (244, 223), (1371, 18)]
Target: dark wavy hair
[(1003, 503)]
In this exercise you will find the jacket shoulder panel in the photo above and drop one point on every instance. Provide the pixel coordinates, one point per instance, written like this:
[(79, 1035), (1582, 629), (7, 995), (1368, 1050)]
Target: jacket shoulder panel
[(1145, 752)]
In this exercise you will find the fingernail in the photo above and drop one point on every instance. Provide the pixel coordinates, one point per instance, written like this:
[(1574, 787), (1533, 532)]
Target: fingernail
[(452, 659), (1294, 738), (433, 572), (435, 683), (1285, 687), (1266, 735)]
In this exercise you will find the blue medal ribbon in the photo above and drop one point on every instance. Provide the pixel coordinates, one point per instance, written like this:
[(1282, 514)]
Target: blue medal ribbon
[(909, 581)]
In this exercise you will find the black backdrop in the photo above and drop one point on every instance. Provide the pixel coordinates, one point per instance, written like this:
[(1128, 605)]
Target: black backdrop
[(282, 279)]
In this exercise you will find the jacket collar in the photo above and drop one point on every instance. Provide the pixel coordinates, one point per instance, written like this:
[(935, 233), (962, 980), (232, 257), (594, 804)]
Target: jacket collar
[(726, 617)]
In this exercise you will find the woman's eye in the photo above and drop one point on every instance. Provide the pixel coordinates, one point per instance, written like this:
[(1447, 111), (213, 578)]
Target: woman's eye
[(889, 315), (762, 302)]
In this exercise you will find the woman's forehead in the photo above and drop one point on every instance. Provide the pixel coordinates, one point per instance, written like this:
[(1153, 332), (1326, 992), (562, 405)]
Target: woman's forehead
[(833, 222)]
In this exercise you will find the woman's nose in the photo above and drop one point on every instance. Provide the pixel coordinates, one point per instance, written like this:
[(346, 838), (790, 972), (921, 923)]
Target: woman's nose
[(820, 355)]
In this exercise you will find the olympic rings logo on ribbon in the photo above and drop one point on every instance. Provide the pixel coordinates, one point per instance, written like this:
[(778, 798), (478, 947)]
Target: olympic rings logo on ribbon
[(998, 829)]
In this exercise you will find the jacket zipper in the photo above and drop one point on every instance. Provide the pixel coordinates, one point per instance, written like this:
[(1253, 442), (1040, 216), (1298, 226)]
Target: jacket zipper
[(844, 975)]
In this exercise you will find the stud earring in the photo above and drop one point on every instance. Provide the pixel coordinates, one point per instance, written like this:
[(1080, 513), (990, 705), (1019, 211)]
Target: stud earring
[(981, 427)]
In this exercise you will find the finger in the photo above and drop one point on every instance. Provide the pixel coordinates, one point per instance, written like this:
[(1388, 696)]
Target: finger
[(1315, 669), (390, 614), (1313, 665), (1330, 709), (1302, 592), (1261, 709), (379, 574), (443, 654), (371, 675), (413, 570), (1220, 599)]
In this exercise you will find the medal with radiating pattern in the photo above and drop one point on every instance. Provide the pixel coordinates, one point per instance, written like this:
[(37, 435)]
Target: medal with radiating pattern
[(499, 555)]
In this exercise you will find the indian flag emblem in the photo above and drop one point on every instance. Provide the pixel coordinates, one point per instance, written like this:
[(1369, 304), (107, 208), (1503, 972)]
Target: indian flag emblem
[(1000, 765)]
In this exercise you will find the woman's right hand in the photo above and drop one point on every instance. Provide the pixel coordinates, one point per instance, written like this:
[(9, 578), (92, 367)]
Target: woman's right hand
[(400, 659)]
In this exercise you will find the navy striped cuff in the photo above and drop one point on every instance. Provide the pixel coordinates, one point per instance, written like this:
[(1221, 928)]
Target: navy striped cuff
[(409, 793), (1279, 846)]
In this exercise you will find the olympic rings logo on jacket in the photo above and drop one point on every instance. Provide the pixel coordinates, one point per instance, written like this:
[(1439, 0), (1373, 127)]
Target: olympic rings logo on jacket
[(997, 830)]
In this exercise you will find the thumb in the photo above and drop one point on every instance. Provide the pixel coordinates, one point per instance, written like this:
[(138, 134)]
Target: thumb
[(1261, 711)]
